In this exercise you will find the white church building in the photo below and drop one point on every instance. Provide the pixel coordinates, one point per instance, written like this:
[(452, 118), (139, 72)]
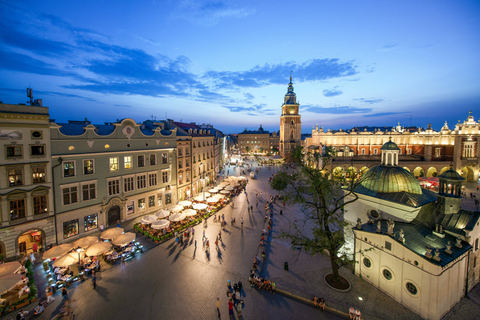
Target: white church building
[(417, 246)]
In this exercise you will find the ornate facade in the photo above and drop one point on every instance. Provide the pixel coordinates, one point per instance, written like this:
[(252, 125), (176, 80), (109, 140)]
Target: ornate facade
[(290, 124)]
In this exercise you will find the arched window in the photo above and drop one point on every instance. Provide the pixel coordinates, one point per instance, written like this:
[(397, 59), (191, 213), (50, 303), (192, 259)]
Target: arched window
[(293, 122)]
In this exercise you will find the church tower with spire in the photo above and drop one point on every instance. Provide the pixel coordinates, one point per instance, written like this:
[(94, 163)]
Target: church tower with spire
[(290, 124)]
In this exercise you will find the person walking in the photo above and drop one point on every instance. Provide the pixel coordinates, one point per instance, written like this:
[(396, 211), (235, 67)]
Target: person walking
[(218, 307), (195, 244), (64, 294), (94, 280), (230, 309), (239, 308)]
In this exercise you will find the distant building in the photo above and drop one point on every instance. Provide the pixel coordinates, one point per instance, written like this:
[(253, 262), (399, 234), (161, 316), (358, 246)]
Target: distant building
[(290, 124), (425, 153), (258, 141), (26, 190)]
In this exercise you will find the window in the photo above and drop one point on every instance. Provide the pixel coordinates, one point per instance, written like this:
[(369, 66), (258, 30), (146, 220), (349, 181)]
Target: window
[(91, 222), (88, 166), (388, 245), (15, 177), (374, 214), (40, 204), (37, 150), (187, 162), (180, 164), (141, 181), (438, 152), (141, 204), (70, 195), (152, 179), (387, 274), (165, 176), (367, 263), (141, 161), (89, 191), (17, 209), (151, 201), (128, 184), (127, 162), (113, 164), (113, 187), (13, 151), (363, 151), (153, 160), (187, 151), (69, 169), (159, 199), (188, 176), (70, 229), (411, 288), (409, 151), (168, 198), (180, 151), (180, 178), (375, 151), (164, 158)]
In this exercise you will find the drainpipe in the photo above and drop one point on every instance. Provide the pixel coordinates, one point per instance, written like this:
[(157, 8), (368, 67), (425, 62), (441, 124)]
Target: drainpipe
[(468, 268), (60, 160)]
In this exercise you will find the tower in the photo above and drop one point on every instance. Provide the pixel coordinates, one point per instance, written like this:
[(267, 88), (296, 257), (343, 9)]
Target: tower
[(290, 124)]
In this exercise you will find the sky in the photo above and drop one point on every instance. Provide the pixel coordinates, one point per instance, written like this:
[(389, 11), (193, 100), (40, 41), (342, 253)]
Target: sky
[(228, 63)]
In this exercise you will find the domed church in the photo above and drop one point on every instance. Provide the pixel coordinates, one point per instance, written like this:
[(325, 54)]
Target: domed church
[(417, 246)]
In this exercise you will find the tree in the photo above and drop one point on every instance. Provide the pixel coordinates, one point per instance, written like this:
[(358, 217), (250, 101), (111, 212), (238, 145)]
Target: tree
[(322, 201), (247, 148), (275, 149)]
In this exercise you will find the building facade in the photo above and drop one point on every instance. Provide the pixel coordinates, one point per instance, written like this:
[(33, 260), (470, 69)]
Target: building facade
[(425, 153), (290, 124), (258, 141), (26, 190), (108, 173)]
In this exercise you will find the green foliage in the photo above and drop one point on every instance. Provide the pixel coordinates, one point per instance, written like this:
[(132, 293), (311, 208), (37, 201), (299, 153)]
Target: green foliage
[(322, 202), (28, 263)]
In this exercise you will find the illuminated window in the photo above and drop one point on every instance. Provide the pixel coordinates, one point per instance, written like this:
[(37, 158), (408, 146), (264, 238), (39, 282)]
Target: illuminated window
[(88, 167), (15, 177), (113, 164), (69, 168), (38, 174), (127, 162)]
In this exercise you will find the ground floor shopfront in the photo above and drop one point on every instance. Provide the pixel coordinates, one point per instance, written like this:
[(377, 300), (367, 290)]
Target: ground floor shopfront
[(78, 223), (22, 239)]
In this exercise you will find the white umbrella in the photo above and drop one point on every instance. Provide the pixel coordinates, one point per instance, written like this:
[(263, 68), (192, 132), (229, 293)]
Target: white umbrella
[(212, 199), (111, 233), (176, 208), (68, 259), (57, 251), (185, 203), (225, 192), (162, 213), (98, 248), (148, 219), (213, 190), (189, 212), (85, 242), (200, 206), (229, 188), (219, 196), (160, 224), (124, 239), (202, 196), (242, 178), (9, 281), (9, 267), (177, 217)]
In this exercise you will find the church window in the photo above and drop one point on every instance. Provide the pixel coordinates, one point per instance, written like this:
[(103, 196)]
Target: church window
[(363, 151), (387, 274), (375, 151), (367, 263), (374, 214), (388, 245), (293, 122), (411, 288)]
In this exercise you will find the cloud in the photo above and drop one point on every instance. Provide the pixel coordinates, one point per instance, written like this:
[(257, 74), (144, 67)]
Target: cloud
[(389, 46), (369, 101), (208, 13), (332, 93), (258, 76), (122, 105), (253, 108), (337, 110), (381, 114)]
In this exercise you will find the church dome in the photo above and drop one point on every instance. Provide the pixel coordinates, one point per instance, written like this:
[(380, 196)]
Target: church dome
[(451, 174), (390, 145), (388, 179)]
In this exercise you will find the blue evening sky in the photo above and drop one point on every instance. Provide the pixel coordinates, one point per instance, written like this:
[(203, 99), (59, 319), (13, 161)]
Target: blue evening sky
[(227, 63)]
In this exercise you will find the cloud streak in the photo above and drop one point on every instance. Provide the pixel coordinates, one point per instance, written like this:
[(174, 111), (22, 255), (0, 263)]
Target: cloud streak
[(332, 93), (337, 110)]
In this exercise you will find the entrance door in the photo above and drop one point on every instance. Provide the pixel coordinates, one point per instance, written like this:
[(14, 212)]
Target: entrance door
[(113, 215)]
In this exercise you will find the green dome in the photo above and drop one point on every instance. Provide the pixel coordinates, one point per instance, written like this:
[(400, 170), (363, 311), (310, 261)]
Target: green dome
[(451, 174), (390, 145), (388, 179)]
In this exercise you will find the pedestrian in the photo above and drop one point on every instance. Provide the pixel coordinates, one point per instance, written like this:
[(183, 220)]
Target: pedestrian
[(64, 294), (35, 247), (49, 293), (193, 231), (118, 223), (351, 313), (239, 308), (195, 244), (204, 233), (94, 280), (218, 306), (230, 309)]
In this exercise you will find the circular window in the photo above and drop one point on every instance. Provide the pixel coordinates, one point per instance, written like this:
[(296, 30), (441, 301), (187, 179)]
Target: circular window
[(128, 145), (71, 148), (107, 146), (36, 134), (387, 274), (374, 214), (146, 144), (367, 263), (411, 288), (415, 262)]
